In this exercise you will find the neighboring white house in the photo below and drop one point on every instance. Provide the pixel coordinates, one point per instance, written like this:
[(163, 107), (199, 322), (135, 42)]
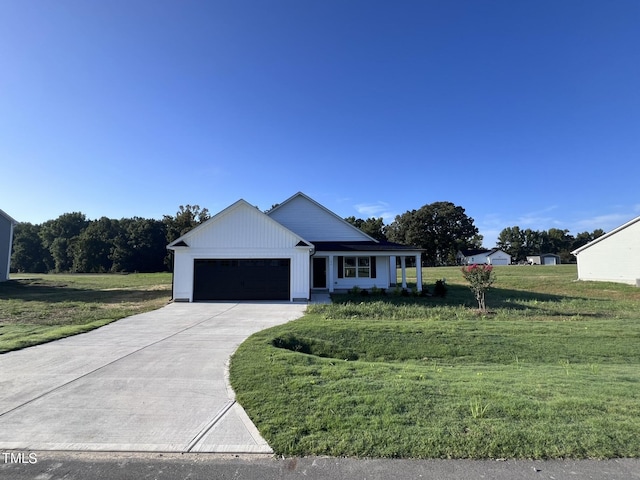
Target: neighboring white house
[(494, 256), (613, 257), (242, 253), (544, 259), (6, 241)]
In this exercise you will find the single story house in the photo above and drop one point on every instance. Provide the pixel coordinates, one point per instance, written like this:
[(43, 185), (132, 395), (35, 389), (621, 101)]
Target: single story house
[(544, 259), (297, 247), (6, 241), (613, 257), (494, 256)]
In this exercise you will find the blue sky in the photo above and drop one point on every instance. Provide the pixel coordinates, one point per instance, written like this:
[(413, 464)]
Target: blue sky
[(523, 113)]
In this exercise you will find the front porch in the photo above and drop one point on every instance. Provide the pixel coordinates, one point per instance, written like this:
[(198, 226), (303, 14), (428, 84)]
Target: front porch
[(334, 272)]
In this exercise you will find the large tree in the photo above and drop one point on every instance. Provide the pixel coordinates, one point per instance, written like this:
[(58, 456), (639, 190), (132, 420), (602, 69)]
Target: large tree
[(93, 249), (59, 237), (583, 238), (140, 246), (440, 228), (374, 227), (512, 241), (186, 218), (29, 254)]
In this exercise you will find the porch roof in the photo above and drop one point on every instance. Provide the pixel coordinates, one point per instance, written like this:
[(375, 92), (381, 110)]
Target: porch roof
[(365, 246)]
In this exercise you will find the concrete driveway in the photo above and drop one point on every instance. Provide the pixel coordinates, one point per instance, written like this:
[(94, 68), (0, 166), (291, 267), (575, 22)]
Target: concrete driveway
[(150, 382)]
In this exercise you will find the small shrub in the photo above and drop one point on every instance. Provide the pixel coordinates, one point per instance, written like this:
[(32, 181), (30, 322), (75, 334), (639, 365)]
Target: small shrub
[(440, 288), (375, 291), (480, 278), (364, 293), (355, 290)]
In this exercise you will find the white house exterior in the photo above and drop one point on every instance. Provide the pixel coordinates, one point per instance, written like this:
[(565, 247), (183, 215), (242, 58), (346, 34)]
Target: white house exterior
[(242, 253), (613, 257), (6, 241), (494, 256)]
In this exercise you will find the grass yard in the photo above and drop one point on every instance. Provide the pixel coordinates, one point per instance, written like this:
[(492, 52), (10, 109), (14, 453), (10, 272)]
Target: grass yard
[(39, 308), (553, 371)]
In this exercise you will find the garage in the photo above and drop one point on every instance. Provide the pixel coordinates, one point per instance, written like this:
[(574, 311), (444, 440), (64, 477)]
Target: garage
[(241, 279), (499, 261)]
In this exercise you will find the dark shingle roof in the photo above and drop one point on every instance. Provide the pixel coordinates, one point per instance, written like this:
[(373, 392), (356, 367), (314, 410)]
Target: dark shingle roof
[(362, 247)]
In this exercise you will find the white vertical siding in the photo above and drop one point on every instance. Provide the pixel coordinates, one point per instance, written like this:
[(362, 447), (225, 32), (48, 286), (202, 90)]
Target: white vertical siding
[(613, 259), (315, 223), (240, 231), (182, 275), (243, 227), (300, 285)]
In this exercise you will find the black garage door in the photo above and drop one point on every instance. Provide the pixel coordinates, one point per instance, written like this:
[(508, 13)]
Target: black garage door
[(241, 279)]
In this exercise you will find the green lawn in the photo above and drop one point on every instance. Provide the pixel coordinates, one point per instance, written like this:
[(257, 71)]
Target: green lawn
[(551, 372), (39, 308)]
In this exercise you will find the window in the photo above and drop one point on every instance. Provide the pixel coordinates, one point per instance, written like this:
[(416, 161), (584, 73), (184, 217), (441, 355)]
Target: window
[(357, 267)]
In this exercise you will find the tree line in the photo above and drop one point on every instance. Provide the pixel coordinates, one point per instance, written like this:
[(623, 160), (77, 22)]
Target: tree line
[(522, 243), (442, 229), (72, 243)]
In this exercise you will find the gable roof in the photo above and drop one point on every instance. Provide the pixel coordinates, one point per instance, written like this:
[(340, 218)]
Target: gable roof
[(5, 215), (304, 226), (606, 235), (183, 241)]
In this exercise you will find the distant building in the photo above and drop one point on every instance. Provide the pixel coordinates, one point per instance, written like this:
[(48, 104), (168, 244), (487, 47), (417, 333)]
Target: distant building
[(613, 257), (544, 259), (494, 256), (6, 241)]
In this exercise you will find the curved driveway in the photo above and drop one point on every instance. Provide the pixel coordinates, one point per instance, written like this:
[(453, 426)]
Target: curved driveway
[(150, 382)]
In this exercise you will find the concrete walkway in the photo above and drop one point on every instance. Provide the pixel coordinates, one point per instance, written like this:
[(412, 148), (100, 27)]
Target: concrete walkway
[(150, 382)]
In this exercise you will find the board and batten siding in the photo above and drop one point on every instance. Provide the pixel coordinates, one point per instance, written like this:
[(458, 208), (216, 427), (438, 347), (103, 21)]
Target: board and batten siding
[(240, 231), (314, 222), (242, 227), (614, 257)]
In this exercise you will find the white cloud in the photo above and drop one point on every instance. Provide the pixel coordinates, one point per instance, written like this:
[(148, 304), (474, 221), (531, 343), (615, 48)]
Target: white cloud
[(376, 209), (536, 218), (606, 222)]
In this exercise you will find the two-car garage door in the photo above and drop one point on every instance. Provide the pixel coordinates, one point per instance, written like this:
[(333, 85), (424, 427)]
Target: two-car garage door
[(241, 279)]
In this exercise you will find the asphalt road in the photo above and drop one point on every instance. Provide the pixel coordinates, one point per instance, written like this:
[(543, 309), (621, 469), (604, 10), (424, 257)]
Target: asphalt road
[(110, 466)]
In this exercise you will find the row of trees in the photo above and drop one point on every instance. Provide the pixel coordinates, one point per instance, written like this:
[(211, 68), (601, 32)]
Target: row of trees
[(442, 229), (520, 243), (72, 243)]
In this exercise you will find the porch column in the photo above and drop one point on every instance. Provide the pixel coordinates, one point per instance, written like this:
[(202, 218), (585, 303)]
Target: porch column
[(393, 271), (419, 271), (403, 266), (330, 279)]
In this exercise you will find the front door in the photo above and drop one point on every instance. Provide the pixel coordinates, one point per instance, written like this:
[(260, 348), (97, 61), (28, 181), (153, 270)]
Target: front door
[(319, 272)]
